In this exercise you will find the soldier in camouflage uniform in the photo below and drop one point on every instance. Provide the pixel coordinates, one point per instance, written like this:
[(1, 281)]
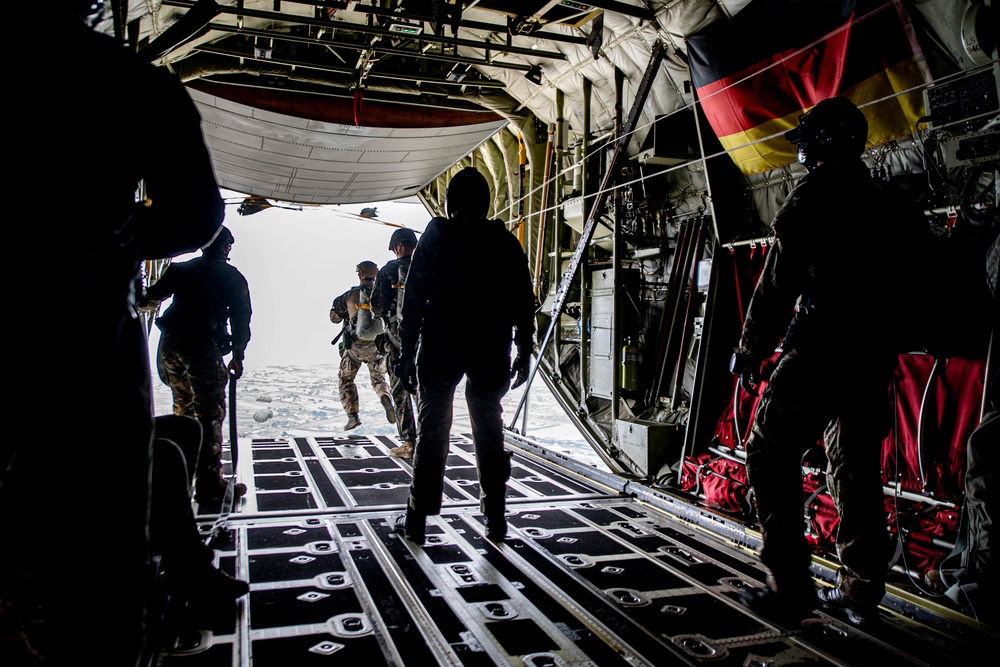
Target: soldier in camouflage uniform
[(836, 305), (209, 296), (354, 352), (386, 303)]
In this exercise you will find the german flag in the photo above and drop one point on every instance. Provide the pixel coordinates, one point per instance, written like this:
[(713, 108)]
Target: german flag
[(758, 72)]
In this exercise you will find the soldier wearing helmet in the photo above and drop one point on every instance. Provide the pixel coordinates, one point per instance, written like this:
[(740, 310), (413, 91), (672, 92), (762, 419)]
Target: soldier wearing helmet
[(386, 303), (828, 305), (472, 270), (355, 351), (208, 318), (834, 129)]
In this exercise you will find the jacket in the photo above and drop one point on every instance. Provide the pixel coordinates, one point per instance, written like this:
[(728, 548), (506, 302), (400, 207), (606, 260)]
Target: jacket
[(208, 293), (856, 291), (468, 292)]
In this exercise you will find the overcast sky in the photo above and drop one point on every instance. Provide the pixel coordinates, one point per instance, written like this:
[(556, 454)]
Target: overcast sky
[(296, 262)]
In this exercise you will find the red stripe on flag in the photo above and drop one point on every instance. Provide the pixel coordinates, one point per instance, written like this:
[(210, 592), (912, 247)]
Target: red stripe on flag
[(786, 83)]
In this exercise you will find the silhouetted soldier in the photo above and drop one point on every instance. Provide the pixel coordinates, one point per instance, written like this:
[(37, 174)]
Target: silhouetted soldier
[(74, 498), (838, 307), (210, 297), (387, 303), (468, 296)]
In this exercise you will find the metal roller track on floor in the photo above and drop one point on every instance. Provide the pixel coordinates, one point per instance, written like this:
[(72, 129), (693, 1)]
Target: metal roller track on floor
[(595, 571)]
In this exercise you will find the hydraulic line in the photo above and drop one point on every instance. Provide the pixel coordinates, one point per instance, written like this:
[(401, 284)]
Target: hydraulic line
[(687, 324), (689, 254), (920, 424), (679, 250)]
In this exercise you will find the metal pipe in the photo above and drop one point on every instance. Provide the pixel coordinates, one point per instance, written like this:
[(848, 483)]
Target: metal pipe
[(617, 253), (691, 432), (375, 10), (689, 253), (299, 63), (543, 218), (586, 205), (680, 249), (186, 28), (687, 325), (347, 26), (578, 168), (557, 228), (986, 372)]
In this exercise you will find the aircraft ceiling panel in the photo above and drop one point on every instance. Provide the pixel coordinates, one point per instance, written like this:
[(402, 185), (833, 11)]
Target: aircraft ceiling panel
[(283, 157)]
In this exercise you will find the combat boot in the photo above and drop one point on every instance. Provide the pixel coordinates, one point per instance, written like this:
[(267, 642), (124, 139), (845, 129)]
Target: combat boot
[(404, 451), (353, 421), (216, 584), (788, 602), (496, 527), (411, 525), (856, 612), (210, 487), (207, 599), (390, 409)]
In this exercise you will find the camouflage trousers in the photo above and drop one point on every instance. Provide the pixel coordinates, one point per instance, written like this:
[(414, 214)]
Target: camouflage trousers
[(406, 426), (981, 499), (197, 378), (360, 353), (810, 397)]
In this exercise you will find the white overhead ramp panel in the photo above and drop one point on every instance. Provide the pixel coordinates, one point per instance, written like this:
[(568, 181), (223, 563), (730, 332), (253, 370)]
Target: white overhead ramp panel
[(293, 159)]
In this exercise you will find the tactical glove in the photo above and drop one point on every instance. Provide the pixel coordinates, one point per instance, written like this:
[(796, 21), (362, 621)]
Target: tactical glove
[(747, 368), (519, 370), (406, 371)]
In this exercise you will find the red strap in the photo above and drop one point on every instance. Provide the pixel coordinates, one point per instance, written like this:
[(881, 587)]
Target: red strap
[(736, 275)]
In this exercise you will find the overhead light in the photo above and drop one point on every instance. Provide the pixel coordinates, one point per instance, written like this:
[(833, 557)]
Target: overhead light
[(405, 26), (262, 51), (456, 76), (534, 75), (523, 25)]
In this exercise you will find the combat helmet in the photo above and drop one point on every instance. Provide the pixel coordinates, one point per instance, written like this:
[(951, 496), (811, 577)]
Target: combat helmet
[(367, 269), (216, 247), (403, 236), (834, 128)]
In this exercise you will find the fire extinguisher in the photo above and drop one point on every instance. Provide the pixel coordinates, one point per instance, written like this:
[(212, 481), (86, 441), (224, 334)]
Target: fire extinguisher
[(630, 365)]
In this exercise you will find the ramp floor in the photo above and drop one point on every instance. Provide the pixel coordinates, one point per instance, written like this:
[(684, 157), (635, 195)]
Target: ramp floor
[(587, 576)]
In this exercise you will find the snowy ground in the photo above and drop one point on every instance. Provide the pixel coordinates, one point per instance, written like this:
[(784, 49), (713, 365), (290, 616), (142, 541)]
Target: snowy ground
[(304, 401)]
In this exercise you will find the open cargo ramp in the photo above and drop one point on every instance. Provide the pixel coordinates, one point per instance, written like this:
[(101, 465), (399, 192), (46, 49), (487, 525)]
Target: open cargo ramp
[(595, 571)]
